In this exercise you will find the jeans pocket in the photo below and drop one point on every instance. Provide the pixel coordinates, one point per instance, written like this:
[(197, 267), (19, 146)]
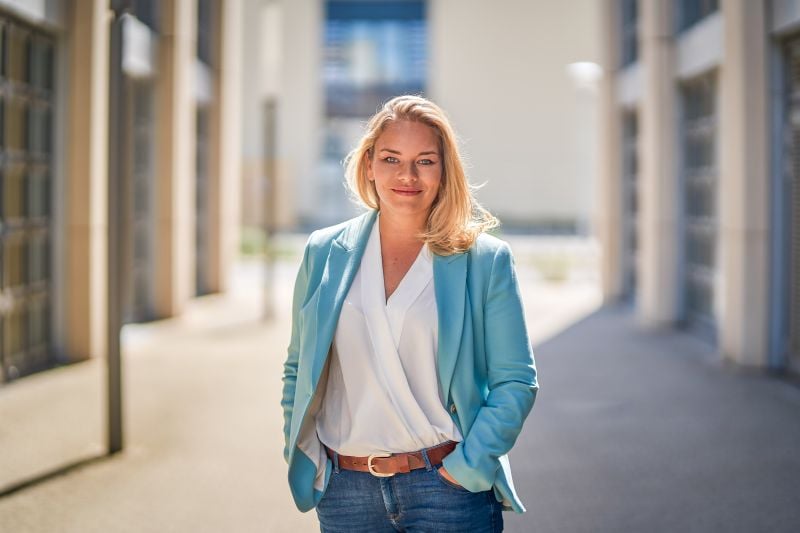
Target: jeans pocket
[(327, 489), (446, 481)]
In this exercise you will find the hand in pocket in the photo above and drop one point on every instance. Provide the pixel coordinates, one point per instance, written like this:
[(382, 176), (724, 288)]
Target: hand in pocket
[(445, 474)]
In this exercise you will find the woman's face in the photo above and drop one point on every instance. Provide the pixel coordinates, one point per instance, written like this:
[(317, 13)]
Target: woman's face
[(406, 166)]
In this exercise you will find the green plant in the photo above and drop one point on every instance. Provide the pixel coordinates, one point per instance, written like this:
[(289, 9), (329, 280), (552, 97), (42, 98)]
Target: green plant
[(253, 241), (553, 268)]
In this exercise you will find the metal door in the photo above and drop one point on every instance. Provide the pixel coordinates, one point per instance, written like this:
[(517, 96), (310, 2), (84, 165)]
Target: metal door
[(139, 211), (630, 192), (202, 203), (700, 203), (792, 188)]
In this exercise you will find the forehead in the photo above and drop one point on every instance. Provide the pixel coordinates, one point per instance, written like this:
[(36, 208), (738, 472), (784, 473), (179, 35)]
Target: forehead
[(408, 136)]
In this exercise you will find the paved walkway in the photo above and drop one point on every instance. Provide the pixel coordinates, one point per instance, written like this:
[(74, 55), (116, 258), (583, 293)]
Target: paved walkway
[(633, 431), (203, 430), (642, 431)]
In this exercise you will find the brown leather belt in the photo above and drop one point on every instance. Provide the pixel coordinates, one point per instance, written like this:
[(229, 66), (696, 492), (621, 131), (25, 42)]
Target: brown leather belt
[(386, 465)]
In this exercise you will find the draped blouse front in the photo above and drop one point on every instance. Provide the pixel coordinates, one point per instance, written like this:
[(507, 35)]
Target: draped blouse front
[(382, 393)]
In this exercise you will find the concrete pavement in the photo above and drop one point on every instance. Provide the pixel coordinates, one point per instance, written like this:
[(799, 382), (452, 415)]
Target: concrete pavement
[(648, 431), (203, 430)]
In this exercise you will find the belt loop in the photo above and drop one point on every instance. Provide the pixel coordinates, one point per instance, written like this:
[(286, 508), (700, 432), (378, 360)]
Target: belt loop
[(428, 465), (335, 461)]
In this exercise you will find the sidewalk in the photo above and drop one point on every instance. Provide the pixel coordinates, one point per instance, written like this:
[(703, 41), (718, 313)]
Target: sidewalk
[(203, 430), (647, 431)]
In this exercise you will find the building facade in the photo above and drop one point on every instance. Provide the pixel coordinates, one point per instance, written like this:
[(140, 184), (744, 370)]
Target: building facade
[(700, 162), (525, 118), (181, 157)]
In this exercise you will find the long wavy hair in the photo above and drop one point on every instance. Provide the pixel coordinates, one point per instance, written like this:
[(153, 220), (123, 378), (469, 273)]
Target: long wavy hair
[(456, 218)]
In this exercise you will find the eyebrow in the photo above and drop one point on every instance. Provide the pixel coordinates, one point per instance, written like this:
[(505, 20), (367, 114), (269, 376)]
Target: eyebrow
[(430, 152)]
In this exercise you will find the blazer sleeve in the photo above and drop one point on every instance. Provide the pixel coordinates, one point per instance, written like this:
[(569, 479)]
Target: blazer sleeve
[(290, 366), (512, 381)]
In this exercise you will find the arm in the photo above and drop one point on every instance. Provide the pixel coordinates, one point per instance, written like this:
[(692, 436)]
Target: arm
[(290, 366), (512, 382)]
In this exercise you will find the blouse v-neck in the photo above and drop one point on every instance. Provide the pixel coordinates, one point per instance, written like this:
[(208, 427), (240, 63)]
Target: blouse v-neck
[(417, 258), (373, 294), (415, 274)]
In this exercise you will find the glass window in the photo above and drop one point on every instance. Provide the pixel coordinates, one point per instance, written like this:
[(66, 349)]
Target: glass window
[(368, 60), (691, 12), (372, 52), (13, 263), (790, 192), (205, 31), (147, 12), (39, 324), (14, 123), (26, 99), (40, 63), (3, 33), (629, 26), (13, 194), (17, 53), (38, 257), (15, 333)]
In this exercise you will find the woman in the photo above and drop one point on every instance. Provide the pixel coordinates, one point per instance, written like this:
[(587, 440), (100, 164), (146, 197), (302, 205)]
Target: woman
[(410, 370)]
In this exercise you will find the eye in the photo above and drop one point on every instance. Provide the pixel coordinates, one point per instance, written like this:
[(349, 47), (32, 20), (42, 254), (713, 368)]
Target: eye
[(426, 162), (390, 159)]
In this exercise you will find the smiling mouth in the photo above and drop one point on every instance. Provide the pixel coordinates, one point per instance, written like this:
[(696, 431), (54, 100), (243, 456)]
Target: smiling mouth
[(406, 193)]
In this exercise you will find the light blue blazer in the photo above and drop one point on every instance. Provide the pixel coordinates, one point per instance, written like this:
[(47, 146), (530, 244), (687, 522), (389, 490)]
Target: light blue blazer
[(487, 374)]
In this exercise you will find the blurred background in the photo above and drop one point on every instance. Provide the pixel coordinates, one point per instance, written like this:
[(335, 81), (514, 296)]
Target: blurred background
[(162, 163)]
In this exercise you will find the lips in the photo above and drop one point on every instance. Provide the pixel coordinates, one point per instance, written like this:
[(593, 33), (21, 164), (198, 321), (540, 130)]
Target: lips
[(407, 192)]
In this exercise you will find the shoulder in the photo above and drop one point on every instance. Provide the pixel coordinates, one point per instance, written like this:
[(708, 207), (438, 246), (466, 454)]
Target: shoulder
[(321, 239), (488, 248), (489, 256)]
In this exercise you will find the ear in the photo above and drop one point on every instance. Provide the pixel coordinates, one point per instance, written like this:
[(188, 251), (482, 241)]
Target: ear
[(370, 177)]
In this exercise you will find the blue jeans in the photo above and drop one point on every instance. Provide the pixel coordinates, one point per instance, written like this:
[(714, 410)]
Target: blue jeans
[(421, 500)]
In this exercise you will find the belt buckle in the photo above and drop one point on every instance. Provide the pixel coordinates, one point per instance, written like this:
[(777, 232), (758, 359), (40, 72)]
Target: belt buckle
[(369, 464)]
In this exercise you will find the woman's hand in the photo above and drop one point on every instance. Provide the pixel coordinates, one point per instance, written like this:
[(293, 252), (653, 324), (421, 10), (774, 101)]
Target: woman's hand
[(445, 474)]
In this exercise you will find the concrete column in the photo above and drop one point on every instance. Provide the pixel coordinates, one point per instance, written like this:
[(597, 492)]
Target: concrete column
[(175, 168), (86, 149), (225, 165), (300, 110), (744, 184), (261, 30), (659, 284), (609, 228)]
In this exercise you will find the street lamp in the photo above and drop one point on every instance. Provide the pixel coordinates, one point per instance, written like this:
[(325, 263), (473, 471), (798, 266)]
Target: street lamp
[(116, 172)]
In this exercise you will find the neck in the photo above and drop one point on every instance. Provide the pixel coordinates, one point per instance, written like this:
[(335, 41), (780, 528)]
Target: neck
[(403, 228)]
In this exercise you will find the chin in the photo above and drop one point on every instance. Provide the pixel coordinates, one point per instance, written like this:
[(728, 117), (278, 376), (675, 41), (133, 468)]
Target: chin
[(403, 207)]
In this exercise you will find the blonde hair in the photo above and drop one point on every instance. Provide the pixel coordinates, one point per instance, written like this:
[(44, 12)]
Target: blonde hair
[(456, 218)]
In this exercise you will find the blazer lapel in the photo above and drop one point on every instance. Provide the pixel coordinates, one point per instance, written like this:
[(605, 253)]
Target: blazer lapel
[(450, 282), (340, 269)]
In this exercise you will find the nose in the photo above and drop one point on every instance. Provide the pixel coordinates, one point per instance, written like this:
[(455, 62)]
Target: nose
[(409, 172)]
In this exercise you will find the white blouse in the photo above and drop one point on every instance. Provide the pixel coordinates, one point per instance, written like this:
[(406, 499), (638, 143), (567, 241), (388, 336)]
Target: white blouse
[(382, 393)]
